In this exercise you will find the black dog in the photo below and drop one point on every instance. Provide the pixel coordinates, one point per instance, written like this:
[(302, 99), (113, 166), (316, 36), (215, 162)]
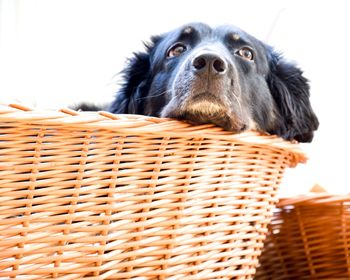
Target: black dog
[(222, 76)]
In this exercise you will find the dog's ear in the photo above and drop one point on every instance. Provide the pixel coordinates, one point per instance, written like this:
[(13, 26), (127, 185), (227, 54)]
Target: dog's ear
[(290, 90), (136, 75)]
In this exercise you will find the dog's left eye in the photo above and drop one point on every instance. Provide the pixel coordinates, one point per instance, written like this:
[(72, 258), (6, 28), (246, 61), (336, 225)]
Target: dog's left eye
[(246, 53), (176, 50)]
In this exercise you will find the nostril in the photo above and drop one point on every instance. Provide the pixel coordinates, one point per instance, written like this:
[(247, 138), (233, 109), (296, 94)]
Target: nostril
[(209, 63), (199, 63), (219, 65)]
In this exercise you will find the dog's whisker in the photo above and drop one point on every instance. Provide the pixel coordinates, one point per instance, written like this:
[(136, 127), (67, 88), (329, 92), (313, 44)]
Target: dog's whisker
[(239, 103), (154, 95)]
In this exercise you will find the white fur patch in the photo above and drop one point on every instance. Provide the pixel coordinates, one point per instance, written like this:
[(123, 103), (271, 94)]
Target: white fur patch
[(252, 125), (205, 107), (235, 36), (187, 30)]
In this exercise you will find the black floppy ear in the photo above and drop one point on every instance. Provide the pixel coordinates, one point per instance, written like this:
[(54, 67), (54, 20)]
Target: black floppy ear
[(290, 90), (135, 74), (136, 77)]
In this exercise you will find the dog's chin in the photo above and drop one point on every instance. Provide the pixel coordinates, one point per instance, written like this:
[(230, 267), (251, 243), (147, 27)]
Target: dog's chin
[(206, 108)]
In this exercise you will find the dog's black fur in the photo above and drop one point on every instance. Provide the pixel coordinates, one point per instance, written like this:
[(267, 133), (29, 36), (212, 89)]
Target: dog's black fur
[(218, 75)]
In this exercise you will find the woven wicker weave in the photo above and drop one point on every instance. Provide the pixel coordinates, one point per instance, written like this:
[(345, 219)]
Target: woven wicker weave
[(309, 238), (102, 196)]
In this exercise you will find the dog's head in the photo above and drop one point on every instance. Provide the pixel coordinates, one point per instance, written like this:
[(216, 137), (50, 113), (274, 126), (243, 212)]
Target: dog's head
[(222, 76)]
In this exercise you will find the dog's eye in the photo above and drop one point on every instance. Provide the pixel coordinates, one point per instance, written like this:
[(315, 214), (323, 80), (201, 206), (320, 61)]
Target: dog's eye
[(246, 53), (176, 50)]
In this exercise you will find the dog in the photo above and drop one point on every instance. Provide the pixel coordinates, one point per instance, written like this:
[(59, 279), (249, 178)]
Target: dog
[(222, 76)]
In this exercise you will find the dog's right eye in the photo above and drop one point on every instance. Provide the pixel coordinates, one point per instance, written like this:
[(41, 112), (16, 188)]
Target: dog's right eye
[(176, 50)]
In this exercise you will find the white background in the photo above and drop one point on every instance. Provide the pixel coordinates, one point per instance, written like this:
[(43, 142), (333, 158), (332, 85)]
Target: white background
[(54, 53)]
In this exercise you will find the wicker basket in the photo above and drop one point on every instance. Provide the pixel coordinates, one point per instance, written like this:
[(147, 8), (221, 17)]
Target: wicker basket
[(102, 196), (309, 238)]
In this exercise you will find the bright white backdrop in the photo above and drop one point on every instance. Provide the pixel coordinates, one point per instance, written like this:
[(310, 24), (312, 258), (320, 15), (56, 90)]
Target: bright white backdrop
[(54, 53)]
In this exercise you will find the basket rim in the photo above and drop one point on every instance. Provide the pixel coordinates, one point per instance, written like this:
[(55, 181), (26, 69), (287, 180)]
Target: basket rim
[(132, 124), (323, 198)]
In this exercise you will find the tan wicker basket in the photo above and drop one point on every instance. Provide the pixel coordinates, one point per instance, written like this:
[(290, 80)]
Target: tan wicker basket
[(309, 238), (102, 196)]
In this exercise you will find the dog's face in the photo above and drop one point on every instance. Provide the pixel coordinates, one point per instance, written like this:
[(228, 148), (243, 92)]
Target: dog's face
[(222, 76)]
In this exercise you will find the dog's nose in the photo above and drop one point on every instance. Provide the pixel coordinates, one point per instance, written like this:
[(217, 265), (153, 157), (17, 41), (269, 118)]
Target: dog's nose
[(209, 62)]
